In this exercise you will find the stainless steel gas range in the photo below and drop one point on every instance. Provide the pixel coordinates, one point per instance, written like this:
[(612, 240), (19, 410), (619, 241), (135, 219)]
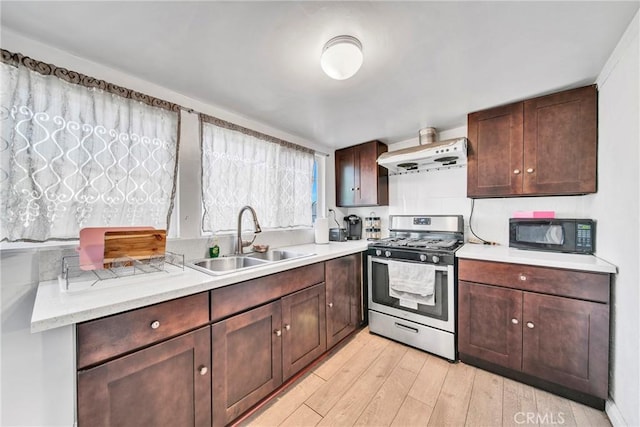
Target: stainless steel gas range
[(411, 282)]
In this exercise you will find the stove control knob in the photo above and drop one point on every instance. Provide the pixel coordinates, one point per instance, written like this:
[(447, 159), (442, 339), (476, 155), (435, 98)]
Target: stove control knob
[(435, 259), (387, 254), (423, 257), (378, 252)]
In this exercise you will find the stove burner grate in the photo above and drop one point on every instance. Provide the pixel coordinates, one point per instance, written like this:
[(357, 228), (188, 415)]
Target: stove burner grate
[(419, 243)]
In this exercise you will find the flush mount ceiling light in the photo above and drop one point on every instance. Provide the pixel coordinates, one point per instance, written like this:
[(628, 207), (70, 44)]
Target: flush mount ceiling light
[(341, 57)]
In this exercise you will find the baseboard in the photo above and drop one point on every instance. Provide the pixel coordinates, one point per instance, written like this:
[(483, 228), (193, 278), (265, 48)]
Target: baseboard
[(614, 414)]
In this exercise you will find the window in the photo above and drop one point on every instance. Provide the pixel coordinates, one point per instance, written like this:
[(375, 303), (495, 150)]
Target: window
[(241, 167), (74, 156)]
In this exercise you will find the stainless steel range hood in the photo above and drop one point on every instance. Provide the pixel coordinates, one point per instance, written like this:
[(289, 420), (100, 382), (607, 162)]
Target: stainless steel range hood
[(448, 154)]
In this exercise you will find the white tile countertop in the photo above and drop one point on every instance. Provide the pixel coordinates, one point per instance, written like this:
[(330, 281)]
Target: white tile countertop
[(544, 259), (54, 307)]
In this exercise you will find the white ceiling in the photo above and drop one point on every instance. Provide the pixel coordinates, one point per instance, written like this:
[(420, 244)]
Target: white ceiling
[(426, 63)]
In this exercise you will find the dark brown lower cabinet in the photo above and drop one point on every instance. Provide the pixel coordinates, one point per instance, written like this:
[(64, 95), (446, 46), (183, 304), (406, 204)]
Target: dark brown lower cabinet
[(167, 384), (566, 341), (562, 340), (486, 329), (343, 280), (153, 367), (247, 360), (255, 351), (304, 333)]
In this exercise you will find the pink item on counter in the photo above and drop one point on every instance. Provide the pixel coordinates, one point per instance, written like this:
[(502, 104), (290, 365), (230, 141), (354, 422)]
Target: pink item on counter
[(534, 214), (91, 247)]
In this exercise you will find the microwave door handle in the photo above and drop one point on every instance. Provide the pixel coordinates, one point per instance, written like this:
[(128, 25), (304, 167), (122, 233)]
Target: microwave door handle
[(386, 261)]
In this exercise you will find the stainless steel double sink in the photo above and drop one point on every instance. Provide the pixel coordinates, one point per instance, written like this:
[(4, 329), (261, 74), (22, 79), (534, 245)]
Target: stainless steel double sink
[(233, 263)]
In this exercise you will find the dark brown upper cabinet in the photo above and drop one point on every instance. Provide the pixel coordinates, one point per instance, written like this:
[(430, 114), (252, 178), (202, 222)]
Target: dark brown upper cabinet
[(543, 146), (359, 179)]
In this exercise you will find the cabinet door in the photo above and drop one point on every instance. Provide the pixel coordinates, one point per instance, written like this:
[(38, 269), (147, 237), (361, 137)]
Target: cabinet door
[(168, 384), (495, 151), (304, 333), (247, 361), (560, 143), (371, 180), (346, 173), (343, 277), (359, 179), (489, 324), (566, 341)]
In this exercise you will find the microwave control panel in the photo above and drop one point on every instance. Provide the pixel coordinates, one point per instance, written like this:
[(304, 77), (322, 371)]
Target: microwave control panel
[(584, 242)]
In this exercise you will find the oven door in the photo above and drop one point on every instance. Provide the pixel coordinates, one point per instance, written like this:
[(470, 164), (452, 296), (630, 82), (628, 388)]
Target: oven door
[(441, 315)]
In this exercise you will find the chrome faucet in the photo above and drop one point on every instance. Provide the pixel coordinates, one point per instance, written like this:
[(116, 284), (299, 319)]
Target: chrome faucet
[(257, 229)]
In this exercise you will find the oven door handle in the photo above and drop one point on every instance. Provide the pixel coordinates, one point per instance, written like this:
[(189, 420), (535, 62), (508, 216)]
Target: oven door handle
[(386, 261)]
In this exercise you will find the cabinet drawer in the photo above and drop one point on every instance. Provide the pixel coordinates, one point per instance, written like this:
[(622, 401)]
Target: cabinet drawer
[(553, 281), (111, 336), (252, 293)]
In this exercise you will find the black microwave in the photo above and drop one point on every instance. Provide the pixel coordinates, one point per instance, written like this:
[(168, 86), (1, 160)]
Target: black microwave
[(576, 236)]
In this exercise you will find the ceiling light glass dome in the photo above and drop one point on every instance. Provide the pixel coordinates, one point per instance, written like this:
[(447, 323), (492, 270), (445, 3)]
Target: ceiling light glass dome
[(341, 57)]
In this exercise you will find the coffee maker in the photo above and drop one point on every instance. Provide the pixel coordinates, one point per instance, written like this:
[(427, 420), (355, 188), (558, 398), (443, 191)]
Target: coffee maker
[(354, 227)]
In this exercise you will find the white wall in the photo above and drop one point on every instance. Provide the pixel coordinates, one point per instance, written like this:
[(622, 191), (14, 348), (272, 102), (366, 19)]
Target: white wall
[(37, 372), (616, 205), (36, 384)]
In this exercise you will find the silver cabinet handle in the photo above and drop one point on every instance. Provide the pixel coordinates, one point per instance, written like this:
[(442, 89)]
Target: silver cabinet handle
[(530, 325), (278, 332), (203, 370), (530, 170), (514, 321), (330, 305), (155, 324), (516, 171), (287, 327), (523, 277)]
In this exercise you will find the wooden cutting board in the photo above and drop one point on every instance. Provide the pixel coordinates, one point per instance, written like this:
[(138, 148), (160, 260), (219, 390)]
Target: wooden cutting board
[(91, 249), (138, 244)]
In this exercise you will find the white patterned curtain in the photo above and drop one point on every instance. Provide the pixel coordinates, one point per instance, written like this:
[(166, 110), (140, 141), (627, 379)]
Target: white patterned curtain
[(241, 169), (74, 156)]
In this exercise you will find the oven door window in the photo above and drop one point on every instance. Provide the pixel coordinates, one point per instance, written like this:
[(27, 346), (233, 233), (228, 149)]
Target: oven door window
[(380, 293)]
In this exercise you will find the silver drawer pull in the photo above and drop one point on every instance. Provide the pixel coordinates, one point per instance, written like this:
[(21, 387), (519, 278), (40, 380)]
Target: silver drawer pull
[(530, 325), (287, 327), (203, 370), (278, 332), (516, 171), (523, 277), (514, 321), (530, 170), (155, 324), (330, 305), (406, 328)]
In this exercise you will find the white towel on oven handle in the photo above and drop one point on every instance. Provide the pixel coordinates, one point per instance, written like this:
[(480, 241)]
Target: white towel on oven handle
[(412, 278), (405, 299)]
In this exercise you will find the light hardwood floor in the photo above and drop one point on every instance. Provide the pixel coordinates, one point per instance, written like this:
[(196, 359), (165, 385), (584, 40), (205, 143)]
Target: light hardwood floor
[(372, 381)]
